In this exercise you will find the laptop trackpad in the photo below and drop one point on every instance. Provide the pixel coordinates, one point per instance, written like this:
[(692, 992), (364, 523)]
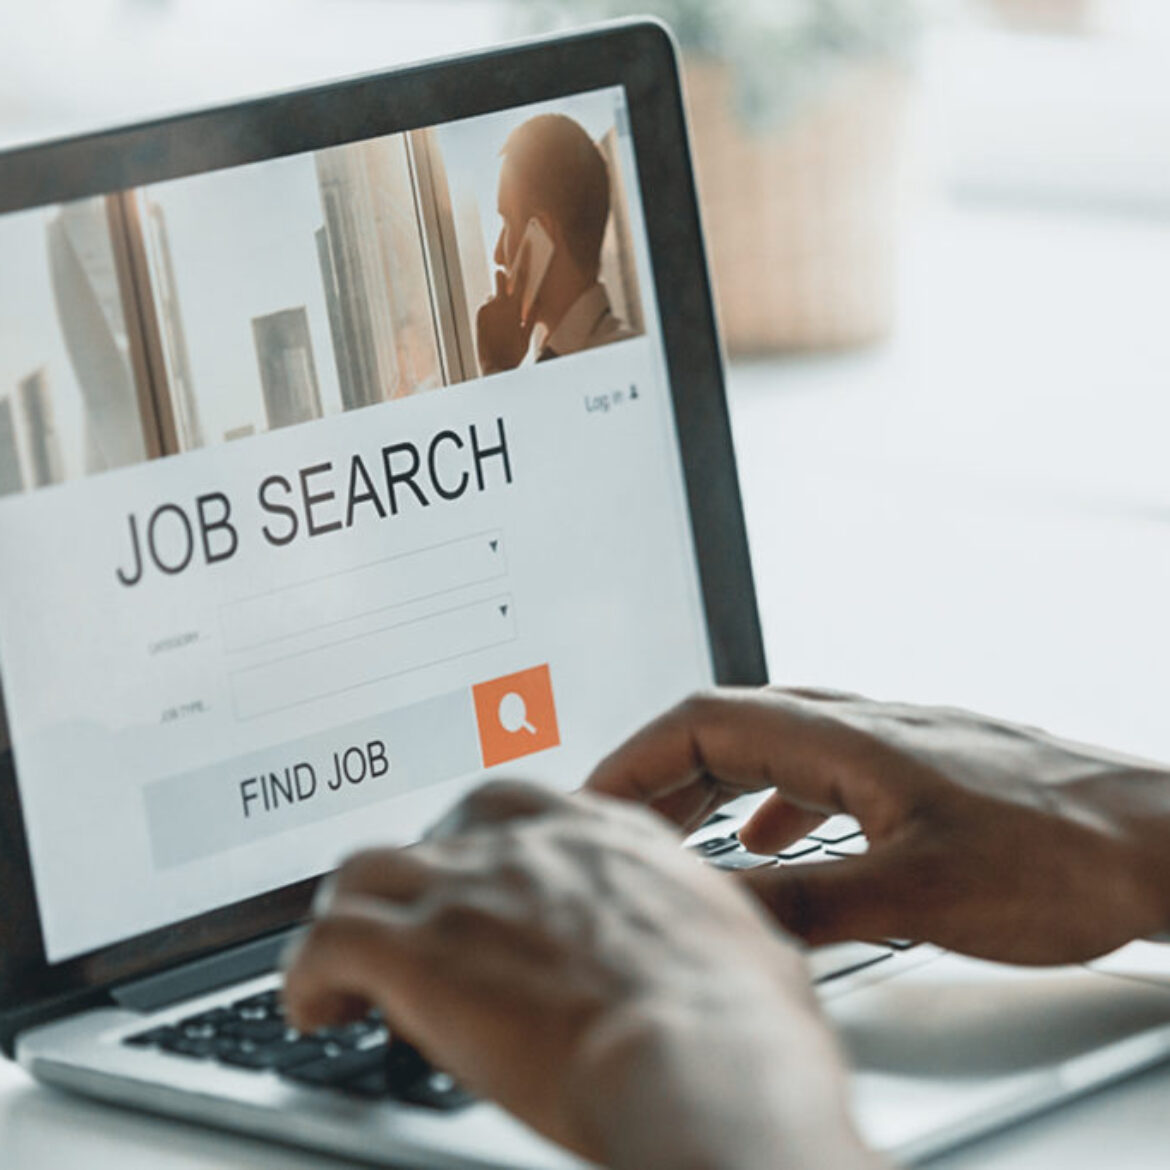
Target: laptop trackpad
[(957, 1046)]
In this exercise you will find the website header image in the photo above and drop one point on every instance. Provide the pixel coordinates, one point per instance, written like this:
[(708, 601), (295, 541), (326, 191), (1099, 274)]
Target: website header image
[(219, 306)]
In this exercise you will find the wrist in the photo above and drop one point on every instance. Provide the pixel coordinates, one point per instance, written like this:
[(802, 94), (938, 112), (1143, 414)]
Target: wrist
[(1133, 806), (701, 1087)]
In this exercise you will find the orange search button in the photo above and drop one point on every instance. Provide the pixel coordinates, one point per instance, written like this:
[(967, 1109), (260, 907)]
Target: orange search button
[(516, 715)]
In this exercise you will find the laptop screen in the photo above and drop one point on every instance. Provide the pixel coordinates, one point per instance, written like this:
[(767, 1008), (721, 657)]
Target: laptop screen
[(329, 484)]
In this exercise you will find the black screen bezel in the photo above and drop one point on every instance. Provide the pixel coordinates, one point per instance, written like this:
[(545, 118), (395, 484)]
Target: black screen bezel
[(637, 55)]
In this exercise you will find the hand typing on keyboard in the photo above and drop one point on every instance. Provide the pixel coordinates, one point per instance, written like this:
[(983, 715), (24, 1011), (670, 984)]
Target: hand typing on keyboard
[(988, 838), (562, 956)]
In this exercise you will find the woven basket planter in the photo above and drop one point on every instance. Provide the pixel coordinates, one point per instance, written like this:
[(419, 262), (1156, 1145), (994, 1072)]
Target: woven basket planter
[(800, 221), (1068, 16)]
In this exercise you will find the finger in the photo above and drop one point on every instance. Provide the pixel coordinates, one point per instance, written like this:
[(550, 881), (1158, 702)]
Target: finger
[(776, 823), (820, 694), (689, 807), (398, 875), (523, 263), (497, 802), (355, 955), (855, 898), (744, 740), (663, 763), (501, 283)]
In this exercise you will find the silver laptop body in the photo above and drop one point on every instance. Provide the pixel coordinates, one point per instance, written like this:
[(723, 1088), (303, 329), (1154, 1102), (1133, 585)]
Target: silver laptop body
[(310, 558)]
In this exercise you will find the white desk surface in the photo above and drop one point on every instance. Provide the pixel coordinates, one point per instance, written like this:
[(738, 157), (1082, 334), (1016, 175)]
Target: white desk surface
[(977, 513)]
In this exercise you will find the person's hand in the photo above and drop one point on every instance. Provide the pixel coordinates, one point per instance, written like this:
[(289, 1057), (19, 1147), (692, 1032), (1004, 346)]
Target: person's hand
[(988, 838), (502, 336), (563, 956)]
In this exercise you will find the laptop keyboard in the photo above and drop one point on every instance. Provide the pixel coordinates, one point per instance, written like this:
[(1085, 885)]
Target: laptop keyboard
[(838, 837), (359, 1059)]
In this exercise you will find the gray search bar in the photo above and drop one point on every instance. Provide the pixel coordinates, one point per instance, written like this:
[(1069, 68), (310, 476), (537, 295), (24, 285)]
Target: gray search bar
[(204, 812)]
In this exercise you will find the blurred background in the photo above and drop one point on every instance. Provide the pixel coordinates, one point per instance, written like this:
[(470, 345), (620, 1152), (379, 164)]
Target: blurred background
[(939, 232)]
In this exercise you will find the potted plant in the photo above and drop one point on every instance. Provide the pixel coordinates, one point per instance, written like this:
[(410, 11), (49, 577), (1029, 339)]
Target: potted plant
[(797, 112), (1058, 16)]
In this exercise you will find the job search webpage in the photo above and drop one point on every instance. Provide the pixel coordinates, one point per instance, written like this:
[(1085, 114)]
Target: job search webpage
[(226, 668), (200, 713)]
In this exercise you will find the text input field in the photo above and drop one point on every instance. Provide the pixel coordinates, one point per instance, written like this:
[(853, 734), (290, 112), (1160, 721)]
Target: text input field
[(354, 662), (429, 572)]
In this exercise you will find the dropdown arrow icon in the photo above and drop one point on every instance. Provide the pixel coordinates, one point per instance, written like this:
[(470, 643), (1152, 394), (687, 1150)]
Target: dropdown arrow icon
[(495, 545), (503, 611)]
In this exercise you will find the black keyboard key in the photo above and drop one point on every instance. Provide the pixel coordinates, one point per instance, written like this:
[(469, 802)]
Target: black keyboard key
[(199, 1047), (252, 1034), (270, 998), (334, 1071), (212, 1019), (225, 1046), (198, 1031), (359, 1034), (373, 1086), (258, 1031), (437, 1091), (267, 1005), (394, 1070), (410, 1077), (278, 1056), (151, 1038), (405, 1065)]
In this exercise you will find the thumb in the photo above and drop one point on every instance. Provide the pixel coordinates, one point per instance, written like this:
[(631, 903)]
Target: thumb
[(837, 901), (501, 283)]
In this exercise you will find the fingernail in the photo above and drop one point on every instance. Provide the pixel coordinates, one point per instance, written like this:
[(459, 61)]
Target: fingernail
[(323, 898), (292, 949)]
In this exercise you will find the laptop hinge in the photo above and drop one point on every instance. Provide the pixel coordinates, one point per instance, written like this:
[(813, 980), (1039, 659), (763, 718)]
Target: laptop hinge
[(201, 976)]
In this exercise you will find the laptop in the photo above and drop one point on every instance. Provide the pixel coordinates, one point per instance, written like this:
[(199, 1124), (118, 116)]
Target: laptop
[(356, 444)]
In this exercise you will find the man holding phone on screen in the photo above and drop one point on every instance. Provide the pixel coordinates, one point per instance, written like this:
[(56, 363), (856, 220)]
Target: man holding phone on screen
[(554, 200)]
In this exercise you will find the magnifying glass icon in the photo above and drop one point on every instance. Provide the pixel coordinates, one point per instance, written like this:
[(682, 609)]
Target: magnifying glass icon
[(513, 714)]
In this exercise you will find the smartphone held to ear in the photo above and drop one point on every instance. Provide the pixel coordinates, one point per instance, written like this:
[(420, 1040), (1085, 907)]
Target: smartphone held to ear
[(537, 245)]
